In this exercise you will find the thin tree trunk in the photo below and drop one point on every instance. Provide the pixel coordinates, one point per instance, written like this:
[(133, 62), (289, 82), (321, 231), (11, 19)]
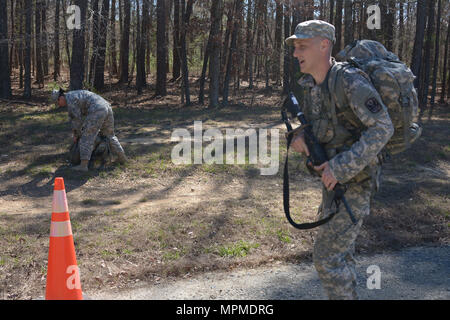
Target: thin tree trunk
[(44, 37), (287, 49), (186, 16), (201, 93), (214, 63), (427, 58), (416, 60), (436, 58), (176, 66), (125, 43), (27, 59), (21, 50), (5, 80), (99, 68), (238, 6), (95, 40), (38, 42), (445, 70), (161, 74), (348, 31), (338, 25), (78, 46), (56, 62), (112, 44), (278, 36), (401, 32), (11, 50), (66, 34), (331, 11)]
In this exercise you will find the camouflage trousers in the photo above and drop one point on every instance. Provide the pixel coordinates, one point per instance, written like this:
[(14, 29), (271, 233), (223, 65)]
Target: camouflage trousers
[(334, 244), (99, 122)]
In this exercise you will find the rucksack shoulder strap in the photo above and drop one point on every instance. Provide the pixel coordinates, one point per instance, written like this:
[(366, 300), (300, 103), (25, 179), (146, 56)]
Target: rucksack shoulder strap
[(333, 77)]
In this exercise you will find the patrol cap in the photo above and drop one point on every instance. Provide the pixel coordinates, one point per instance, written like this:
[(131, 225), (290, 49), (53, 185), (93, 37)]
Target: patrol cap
[(310, 29), (56, 94)]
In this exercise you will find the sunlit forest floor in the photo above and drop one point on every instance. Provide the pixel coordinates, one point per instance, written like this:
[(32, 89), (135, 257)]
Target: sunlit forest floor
[(151, 219)]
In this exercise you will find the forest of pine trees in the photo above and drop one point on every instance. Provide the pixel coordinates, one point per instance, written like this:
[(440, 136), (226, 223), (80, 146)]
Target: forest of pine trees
[(224, 44)]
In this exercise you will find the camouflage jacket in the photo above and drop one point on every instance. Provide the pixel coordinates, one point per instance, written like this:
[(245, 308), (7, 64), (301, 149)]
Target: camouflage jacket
[(372, 125), (80, 103)]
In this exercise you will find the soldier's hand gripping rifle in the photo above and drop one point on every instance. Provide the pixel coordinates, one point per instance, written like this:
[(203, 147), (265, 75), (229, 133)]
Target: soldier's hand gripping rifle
[(317, 157)]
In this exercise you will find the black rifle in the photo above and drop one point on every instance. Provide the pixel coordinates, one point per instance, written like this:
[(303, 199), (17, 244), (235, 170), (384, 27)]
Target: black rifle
[(317, 157)]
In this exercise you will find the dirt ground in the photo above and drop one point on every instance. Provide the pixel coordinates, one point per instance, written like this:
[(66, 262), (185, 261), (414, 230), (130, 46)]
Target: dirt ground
[(151, 219)]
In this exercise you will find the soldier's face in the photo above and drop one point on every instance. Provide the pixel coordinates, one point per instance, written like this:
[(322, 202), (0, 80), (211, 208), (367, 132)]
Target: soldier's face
[(62, 101), (308, 53)]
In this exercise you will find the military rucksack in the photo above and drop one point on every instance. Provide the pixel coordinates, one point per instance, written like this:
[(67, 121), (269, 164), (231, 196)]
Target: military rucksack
[(394, 82), (101, 152)]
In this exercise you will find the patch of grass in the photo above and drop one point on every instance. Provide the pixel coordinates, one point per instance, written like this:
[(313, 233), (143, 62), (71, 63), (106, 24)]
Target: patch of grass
[(283, 236), (45, 171), (239, 249), (174, 254), (112, 213), (107, 254)]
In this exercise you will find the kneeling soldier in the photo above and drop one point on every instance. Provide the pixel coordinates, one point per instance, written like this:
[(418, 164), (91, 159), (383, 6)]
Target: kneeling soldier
[(90, 115)]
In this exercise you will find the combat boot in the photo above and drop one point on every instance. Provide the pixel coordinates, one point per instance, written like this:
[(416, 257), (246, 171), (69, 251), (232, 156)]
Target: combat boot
[(121, 158)]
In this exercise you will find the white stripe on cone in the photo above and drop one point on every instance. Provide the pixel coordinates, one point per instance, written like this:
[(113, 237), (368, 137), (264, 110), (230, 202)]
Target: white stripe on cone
[(60, 229), (60, 201)]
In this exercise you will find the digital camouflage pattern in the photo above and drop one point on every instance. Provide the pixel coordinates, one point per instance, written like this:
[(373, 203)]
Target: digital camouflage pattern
[(353, 161), (334, 244), (90, 115), (378, 128), (312, 28), (394, 82)]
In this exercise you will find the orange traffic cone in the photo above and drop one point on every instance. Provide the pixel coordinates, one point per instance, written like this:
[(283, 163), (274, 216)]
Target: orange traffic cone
[(63, 276)]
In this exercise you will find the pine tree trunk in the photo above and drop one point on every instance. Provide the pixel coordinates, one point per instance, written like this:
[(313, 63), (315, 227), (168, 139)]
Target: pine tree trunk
[(214, 63), (231, 54), (11, 49), (125, 43), (389, 34), (338, 26), (161, 48), (427, 58), (176, 67), (21, 50), (5, 80), (138, 53), (99, 68), (95, 40), (78, 46), (27, 54), (445, 69), (184, 65), (436, 57), (278, 36), (225, 46), (348, 24), (287, 49), (66, 35), (38, 42), (201, 92), (416, 61), (401, 32), (56, 62), (112, 46), (44, 39)]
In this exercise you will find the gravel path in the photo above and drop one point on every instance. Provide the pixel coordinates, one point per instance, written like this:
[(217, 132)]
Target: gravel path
[(413, 273)]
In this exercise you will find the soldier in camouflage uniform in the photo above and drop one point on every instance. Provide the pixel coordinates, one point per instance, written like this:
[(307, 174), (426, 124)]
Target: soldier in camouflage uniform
[(90, 115), (353, 161)]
